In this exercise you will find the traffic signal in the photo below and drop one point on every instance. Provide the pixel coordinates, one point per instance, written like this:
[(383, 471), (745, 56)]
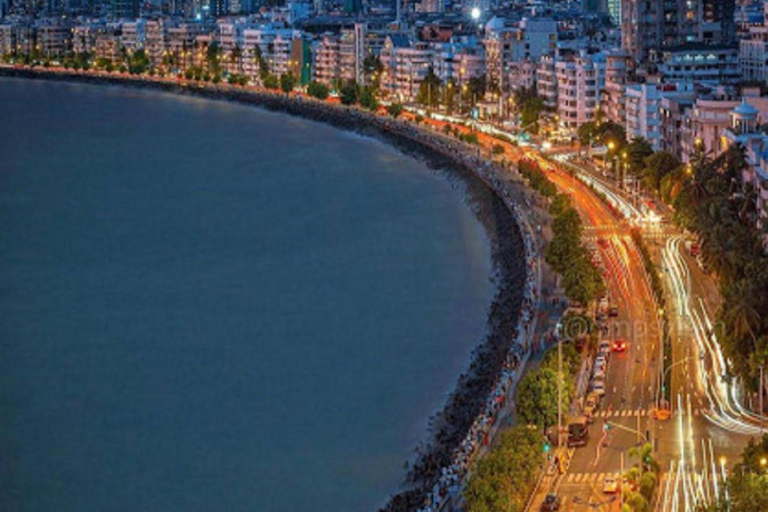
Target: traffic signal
[(606, 426), (547, 447)]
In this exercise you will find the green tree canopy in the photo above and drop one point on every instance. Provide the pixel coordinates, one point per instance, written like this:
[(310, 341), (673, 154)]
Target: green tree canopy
[(271, 81), (317, 90), (429, 89), (348, 93), (287, 82), (395, 109)]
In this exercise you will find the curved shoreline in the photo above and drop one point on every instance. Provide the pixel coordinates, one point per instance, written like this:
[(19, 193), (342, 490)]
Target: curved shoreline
[(455, 429)]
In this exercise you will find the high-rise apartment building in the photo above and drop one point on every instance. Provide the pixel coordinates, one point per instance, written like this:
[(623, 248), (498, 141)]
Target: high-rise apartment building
[(650, 26), (127, 9)]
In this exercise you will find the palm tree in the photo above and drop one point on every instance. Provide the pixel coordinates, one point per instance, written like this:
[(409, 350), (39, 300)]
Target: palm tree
[(740, 315), (236, 58)]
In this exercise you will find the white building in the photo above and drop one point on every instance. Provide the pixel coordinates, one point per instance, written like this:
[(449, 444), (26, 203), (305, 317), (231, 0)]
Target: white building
[(703, 125), (406, 64), (505, 47), (643, 102), (574, 88), (53, 39), (132, 35), (707, 64), (326, 57), (617, 68)]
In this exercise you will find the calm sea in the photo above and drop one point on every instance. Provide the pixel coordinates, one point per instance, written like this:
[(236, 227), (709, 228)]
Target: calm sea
[(207, 307)]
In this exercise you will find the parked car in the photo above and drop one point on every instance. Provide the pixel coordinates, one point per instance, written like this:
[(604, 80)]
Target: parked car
[(591, 405), (551, 503), (600, 363), (597, 387)]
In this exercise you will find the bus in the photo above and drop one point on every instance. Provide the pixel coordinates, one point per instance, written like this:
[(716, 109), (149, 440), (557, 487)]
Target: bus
[(578, 431)]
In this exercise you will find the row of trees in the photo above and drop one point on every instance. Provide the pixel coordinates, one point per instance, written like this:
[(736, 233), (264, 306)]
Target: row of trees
[(504, 479), (434, 93), (714, 202), (640, 480), (566, 253), (710, 198), (536, 399)]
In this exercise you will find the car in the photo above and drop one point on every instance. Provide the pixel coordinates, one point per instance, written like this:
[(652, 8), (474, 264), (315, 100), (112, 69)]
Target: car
[(619, 345), (591, 405), (601, 362), (551, 503), (610, 485), (594, 400), (598, 387), (613, 311)]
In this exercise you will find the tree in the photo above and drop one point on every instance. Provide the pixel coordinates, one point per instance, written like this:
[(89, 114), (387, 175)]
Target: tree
[(587, 133), (529, 105), (287, 82), (502, 480), (271, 81), (372, 67), (236, 58), (395, 109), (213, 57), (748, 484), (348, 93), (317, 90), (368, 99), (637, 151), (529, 115), (262, 63), (656, 167), (429, 90), (537, 397)]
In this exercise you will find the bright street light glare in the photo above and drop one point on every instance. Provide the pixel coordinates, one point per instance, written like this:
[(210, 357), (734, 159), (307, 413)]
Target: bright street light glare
[(475, 13)]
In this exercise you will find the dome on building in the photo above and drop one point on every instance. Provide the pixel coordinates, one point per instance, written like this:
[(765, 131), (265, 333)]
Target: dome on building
[(744, 118), (494, 24), (745, 110)]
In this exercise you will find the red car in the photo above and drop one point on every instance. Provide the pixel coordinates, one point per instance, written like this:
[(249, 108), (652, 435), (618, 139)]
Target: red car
[(619, 346)]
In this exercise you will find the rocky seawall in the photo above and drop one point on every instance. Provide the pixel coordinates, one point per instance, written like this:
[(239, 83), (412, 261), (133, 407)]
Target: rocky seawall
[(457, 430)]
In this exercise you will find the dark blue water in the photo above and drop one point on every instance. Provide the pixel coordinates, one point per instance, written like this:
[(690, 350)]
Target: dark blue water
[(207, 307)]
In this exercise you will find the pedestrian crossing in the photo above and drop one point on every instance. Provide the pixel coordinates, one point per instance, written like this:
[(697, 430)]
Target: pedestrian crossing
[(588, 478), (630, 413)]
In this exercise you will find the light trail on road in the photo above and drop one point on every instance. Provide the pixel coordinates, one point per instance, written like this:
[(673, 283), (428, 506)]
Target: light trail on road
[(724, 407)]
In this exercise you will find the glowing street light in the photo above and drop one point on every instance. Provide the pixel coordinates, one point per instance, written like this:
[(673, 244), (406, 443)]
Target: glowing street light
[(475, 13)]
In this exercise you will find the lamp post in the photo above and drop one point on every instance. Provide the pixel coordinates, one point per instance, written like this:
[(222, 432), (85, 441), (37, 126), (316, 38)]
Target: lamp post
[(611, 145), (664, 375)]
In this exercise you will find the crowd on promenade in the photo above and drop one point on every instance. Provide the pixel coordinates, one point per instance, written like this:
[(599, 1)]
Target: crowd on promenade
[(481, 394), (465, 423)]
